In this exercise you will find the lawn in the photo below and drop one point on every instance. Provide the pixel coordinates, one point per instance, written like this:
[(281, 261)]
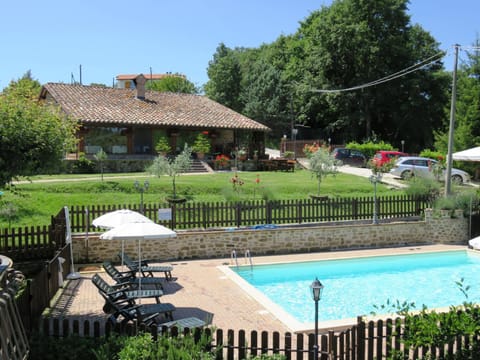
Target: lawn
[(33, 203)]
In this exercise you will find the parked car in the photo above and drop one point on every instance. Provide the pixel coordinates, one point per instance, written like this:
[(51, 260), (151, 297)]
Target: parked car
[(406, 167), (350, 157), (384, 156)]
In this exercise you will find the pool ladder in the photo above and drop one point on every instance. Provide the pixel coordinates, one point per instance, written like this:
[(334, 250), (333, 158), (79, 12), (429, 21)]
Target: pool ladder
[(248, 257)]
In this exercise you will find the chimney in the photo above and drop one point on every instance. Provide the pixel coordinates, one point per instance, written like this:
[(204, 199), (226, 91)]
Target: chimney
[(140, 81)]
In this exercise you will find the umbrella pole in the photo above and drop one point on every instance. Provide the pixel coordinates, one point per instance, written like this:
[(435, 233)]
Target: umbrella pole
[(123, 252), (139, 268)]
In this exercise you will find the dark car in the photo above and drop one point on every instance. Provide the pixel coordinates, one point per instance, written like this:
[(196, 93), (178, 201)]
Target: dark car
[(350, 157)]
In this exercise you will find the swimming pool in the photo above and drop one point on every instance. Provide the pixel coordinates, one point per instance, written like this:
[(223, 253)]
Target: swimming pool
[(354, 286)]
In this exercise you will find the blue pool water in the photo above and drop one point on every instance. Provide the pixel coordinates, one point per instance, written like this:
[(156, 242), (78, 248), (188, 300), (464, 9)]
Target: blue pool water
[(353, 287)]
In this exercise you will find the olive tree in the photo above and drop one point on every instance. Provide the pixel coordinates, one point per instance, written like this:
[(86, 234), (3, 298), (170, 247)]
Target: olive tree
[(172, 167), (322, 163)]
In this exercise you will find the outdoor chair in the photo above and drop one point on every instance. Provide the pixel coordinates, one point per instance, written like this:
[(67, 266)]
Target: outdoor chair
[(122, 293), (142, 313), (146, 269), (128, 278)]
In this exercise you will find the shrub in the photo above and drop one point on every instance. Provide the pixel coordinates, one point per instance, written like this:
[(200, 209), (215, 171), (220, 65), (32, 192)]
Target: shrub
[(370, 148), (423, 187), (44, 347), (436, 155), (163, 146), (201, 144), (468, 201)]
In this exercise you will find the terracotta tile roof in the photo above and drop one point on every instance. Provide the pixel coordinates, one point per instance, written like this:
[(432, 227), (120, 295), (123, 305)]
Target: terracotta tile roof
[(112, 106)]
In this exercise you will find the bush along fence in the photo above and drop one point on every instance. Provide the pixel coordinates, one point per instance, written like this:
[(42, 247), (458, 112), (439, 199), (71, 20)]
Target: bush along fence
[(33, 243), (366, 340)]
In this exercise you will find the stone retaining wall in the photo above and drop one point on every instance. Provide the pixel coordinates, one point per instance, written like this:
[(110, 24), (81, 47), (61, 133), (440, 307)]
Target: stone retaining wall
[(279, 240)]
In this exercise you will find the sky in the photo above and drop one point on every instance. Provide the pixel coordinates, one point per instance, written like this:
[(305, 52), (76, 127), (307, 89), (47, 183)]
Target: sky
[(59, 40)]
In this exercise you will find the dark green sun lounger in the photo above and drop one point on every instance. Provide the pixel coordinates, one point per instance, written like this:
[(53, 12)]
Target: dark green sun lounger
[(128, 277), (146, 269)]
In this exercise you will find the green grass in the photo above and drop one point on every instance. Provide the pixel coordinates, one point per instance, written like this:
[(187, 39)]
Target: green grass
[(35, 202)]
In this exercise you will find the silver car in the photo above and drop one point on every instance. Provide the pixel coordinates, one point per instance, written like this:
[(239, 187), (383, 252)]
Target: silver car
[(408, 166)]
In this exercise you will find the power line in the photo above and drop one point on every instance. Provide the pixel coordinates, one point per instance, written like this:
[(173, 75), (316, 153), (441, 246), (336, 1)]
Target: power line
[(390, 77)]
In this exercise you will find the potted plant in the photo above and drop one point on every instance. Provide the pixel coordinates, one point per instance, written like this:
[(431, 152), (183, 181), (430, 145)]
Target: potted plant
[(221, 161), (201, 145), (242, 154), (288, 154), (163, 146)]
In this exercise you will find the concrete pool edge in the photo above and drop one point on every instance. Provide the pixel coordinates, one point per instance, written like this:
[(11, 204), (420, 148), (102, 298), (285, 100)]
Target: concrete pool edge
[(298, 327)]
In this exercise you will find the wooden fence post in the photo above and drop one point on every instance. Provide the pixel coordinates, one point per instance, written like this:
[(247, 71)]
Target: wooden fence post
[(360, 348)]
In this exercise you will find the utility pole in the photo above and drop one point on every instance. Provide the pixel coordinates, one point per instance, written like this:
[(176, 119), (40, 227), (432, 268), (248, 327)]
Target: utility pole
[(448, 177)]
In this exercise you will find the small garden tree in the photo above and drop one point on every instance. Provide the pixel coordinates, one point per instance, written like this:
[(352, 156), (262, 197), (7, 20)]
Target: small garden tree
[(172, 167), (101, 157), (322, 163)]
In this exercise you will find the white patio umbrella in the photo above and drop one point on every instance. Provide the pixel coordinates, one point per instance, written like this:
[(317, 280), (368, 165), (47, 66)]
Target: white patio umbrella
[(116, 218), (139, 232), (472, 154)]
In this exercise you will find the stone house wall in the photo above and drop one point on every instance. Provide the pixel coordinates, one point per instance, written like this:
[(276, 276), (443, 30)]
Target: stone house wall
[(279, 240)]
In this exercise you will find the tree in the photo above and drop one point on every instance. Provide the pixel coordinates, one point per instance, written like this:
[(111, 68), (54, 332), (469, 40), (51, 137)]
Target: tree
[(101, 157), (322, 163), (173, 83), (172, 167), (467, 115), (33, 136), (225, 78), (355, 42)]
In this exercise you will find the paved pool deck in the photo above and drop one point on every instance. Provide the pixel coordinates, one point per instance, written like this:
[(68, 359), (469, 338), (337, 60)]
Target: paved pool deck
[(205, 289)]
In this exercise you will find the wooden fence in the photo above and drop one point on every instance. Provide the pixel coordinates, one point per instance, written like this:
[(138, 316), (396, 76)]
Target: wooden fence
[(22, 244), (372, 340), (42, 287), (208, 215)]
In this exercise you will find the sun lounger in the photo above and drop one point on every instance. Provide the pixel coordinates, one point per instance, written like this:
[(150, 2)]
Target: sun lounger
[(185, 323), (121, 292), (142, 313), (146, 269), (128, 277)]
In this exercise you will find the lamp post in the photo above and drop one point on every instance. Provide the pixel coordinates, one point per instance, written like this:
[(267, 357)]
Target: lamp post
[(403, 145), (316, 288), (374, 179), (141, 189)]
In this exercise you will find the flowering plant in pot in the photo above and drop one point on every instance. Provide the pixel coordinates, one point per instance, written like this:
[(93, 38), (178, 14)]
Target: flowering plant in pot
[(221, 161)]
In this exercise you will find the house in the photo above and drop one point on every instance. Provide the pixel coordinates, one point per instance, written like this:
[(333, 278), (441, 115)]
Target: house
[(128, 122), (127, 81)]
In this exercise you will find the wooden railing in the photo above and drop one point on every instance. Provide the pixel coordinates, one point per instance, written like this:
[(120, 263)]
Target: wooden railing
[(42, 287), (32, 243), (370, 340), (208, 215)]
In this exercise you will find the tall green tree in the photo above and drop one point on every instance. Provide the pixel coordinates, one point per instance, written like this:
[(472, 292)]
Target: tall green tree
[(175, 83), (224, 73), (467, 114), (355, 42), (33, 136)]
